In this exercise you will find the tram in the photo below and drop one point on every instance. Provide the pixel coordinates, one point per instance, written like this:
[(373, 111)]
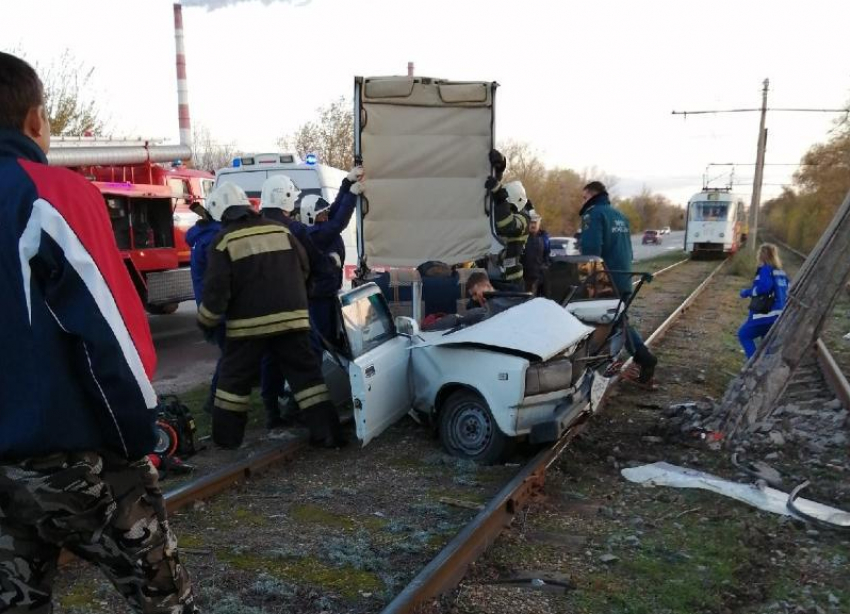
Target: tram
[(715, 224)]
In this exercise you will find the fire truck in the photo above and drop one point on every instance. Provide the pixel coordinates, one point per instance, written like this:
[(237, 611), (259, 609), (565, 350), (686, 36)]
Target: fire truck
[(148, 200)]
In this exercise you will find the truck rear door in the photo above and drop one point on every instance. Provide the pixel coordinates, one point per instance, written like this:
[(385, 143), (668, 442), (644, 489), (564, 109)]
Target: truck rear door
[(424, 143)]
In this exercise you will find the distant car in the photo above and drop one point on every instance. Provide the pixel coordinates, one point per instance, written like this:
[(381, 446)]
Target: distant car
[(651, 236), (665, 230), (563, 246)]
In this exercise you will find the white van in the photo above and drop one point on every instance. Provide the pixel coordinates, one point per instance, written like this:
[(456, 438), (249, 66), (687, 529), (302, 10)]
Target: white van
[(250, 172)]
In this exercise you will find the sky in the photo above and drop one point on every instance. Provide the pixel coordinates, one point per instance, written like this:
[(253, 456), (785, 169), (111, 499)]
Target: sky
[(586, 84)]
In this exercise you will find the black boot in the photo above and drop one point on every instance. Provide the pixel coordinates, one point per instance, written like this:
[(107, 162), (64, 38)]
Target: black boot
[(647, 361), (228, 428), (324, 425)]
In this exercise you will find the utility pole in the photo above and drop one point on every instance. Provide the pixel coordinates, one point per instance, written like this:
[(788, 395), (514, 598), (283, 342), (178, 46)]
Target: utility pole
[(762, 146), (755, 203)]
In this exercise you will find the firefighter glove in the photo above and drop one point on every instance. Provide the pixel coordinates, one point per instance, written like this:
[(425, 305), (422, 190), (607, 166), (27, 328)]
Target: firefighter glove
[(492, 184), (498, 162), (358, 188), (355, 174)]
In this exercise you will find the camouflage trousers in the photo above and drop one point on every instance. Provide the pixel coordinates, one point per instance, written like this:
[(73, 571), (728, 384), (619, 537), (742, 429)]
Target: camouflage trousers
[(105, 510)]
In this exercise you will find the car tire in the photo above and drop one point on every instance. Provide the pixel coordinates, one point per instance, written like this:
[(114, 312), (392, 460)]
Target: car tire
[(162, 310), (468, 429)]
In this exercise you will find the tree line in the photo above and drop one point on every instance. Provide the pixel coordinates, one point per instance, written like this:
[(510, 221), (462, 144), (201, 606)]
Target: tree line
[(802, 212)]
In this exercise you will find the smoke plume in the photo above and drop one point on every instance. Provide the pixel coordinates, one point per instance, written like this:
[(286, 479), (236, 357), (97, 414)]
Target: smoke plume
[(212, 5)]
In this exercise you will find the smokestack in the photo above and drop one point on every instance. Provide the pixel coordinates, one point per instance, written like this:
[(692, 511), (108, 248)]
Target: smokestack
[(182, 87), (410, 69)]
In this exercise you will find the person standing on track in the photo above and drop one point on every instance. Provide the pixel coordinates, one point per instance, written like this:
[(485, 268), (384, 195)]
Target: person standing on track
[(767, 295), (77, 409), (605, 233), (256, 284)]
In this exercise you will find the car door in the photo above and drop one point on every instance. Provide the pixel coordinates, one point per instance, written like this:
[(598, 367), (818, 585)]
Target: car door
[(380, 362)]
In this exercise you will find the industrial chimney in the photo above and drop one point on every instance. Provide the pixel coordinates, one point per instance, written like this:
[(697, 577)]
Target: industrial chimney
[(410, 69), (182, 87)]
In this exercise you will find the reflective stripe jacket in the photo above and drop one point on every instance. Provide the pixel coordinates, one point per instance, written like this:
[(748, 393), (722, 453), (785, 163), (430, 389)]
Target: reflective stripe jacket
[(77, 354), (512, 229), (605, 232), (198, 239), (256, 280), (769, 280)]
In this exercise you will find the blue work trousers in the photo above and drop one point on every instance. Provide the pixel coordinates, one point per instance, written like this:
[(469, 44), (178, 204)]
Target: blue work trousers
[(752, 330)]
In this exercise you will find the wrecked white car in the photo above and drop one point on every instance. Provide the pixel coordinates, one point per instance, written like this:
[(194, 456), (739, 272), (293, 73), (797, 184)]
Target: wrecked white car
[(525, 371)]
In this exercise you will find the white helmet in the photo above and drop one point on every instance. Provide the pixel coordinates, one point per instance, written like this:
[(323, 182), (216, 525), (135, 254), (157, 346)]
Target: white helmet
[(534, 216), (311, 206), (224, 197), (279, 192), (516, 194)]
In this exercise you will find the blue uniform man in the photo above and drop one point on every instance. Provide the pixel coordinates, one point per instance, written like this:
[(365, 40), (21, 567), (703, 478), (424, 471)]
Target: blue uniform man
[(198, 239), (605, 232)]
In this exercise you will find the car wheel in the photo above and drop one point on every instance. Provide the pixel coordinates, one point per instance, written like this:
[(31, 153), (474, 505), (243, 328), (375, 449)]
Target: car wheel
[(468, 429), (162, 310)]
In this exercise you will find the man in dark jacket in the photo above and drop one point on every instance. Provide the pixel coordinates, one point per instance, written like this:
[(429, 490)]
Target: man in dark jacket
[(199, 238), (605, 232), (535, 257), (77, 412), (256, 284)]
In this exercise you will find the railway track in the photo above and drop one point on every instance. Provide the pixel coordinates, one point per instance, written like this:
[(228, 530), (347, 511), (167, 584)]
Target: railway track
[(467, 538), (819, 376)]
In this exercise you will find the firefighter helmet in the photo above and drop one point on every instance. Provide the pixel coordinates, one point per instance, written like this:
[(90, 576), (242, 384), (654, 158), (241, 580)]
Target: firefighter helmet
[(279, 192), (311, 206), (516, 194), (224, 197)]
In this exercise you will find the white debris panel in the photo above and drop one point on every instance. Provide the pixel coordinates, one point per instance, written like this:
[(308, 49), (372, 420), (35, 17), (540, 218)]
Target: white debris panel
[(760, 496)]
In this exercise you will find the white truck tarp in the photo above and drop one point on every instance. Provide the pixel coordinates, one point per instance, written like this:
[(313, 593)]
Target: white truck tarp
[(424, 143)]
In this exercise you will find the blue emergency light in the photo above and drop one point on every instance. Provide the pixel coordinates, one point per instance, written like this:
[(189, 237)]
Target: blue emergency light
[(311, 159), (237, 162)]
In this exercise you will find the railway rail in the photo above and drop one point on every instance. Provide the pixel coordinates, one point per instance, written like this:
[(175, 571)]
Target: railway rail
[(829, 371)]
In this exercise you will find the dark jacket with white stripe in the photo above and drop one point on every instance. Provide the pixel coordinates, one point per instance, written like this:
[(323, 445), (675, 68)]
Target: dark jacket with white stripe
[(256, 280), (77, 354)]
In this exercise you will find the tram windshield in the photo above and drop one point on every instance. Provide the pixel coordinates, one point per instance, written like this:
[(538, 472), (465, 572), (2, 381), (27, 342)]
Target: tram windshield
[(709, 211)]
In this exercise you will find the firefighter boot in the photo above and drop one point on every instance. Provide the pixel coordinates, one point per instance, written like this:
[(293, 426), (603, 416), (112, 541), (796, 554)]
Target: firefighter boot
[(325, 427), (228, 429), (647, 361)]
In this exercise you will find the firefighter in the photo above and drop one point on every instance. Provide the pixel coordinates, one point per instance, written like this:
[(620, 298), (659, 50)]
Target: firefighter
[(256, 284), (605, 232), (321, 237), (78, 409), (198, 238), (511, 216)]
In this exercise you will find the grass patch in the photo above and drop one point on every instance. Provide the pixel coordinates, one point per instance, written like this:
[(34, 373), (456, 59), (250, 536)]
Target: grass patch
[(313, 514), (742, 264), (309, 571), (676, 572), (659, 262)]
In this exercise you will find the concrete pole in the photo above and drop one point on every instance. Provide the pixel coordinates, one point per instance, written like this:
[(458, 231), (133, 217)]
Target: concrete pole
[(759, 174)]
